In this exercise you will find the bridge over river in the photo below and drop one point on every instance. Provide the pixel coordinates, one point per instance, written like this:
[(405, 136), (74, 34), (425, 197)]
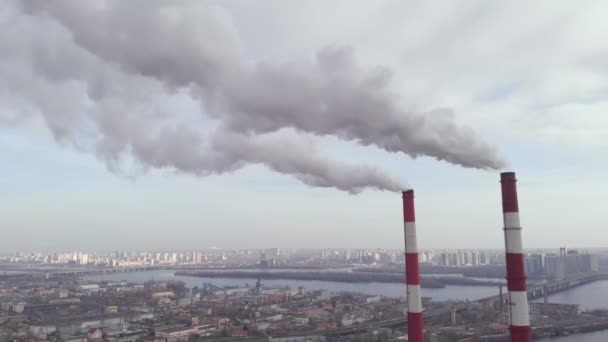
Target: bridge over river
[(538, 291)]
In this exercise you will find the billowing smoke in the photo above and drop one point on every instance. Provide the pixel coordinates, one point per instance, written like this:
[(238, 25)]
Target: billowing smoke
[(102, 74)]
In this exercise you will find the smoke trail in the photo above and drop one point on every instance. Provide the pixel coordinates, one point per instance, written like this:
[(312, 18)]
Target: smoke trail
[(98, 73), (334, 97)]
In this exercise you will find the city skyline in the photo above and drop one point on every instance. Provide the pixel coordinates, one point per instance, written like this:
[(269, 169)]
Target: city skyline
[(289, 250)]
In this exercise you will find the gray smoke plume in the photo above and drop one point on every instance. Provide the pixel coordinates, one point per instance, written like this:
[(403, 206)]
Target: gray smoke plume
[(100, 74)]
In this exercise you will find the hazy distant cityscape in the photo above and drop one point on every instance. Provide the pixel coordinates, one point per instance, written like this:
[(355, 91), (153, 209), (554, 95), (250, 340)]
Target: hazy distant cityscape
[(550, 263)]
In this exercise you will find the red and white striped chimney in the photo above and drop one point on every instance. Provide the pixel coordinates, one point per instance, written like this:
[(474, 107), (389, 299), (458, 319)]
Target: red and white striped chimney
[(415, 326), (516, 276)]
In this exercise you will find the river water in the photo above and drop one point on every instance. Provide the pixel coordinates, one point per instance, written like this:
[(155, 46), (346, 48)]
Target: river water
[(454, 292), (9, 272), (589, 296)]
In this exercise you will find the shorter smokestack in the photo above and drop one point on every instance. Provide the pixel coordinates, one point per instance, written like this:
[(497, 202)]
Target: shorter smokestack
[(415, 325), (516, 277)]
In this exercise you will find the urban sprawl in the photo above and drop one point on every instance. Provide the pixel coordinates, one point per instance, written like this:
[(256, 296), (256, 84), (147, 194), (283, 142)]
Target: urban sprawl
[(80, 296)]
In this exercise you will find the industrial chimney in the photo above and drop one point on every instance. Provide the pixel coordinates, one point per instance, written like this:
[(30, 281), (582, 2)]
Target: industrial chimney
[(516, 276), (415, 327)]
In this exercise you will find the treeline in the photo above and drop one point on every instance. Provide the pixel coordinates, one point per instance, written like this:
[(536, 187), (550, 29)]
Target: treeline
[(467, 281), (346, 277), (485, 271)]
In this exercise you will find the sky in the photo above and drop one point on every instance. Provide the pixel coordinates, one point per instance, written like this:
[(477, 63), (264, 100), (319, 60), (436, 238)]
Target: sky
[(196, 124)]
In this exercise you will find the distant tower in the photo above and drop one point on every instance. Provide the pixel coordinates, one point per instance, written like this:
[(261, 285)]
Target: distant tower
[(258, 286), (501, 299), (546, 299), (561, 269)]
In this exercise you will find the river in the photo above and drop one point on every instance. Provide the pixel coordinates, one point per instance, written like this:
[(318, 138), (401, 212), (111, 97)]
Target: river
[(454, 292), (589, 296), (10, 272)]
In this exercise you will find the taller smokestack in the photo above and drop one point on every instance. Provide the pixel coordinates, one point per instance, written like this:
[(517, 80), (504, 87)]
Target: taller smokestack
[(516, 276), (415, 326)]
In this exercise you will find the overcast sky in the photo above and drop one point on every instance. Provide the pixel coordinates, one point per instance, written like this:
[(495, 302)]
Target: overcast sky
[(161, 124)]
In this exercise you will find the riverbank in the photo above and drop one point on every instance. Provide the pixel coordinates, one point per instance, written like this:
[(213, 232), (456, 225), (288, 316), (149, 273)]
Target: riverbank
[(571, 331), (597, 336)]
